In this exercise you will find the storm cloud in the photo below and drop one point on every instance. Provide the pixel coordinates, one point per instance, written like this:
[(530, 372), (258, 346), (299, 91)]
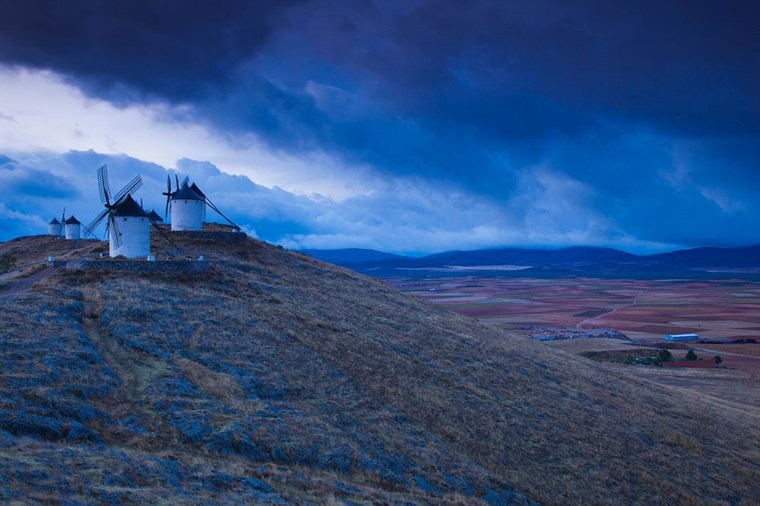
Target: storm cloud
[(605, 122)]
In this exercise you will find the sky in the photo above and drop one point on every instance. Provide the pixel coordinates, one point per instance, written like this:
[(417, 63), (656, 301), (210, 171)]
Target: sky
[(408, 126)]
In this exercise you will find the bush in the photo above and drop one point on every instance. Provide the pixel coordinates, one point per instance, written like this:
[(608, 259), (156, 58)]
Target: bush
[(690, 355), (718, 360), (7, 262), (664, 356)]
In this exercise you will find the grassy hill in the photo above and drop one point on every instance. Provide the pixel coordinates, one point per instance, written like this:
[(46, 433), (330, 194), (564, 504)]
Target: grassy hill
[(275, 378)]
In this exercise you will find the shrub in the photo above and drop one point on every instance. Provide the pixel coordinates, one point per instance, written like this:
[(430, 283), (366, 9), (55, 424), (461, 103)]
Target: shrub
[(718, 360), (664, 356), (7, 262), (690, 355)]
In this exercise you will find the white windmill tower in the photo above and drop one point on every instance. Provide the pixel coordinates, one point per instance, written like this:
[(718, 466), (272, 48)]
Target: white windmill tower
[(187, 207), (131, 224), (128, 225), (72, 228), (55, 227)]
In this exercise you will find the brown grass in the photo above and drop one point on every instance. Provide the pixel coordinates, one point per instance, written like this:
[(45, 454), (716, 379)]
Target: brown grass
[(304, 356), (217, 384)]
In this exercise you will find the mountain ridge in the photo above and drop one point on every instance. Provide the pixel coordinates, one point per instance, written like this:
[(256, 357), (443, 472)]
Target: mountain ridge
[(562, 260)]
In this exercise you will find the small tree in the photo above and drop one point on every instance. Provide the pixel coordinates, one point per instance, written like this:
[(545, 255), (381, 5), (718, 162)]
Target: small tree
[(7, 262), (664, 356), (690, 355), (718, 360)]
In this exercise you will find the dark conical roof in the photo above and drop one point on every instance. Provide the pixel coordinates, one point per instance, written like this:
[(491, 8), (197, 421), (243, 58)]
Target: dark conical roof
[(72, 221), (54, 222), (154, 216), (197, 190), (185, 193), (129, 207)]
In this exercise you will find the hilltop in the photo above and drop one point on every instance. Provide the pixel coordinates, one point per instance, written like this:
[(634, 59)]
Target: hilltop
[(273, 377)]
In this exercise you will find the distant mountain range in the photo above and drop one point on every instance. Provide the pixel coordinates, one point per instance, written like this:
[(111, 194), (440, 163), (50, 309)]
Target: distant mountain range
[(697, 262)]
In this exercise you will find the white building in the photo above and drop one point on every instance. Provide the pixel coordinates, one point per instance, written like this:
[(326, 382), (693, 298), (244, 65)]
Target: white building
[(682, 337), (72, 228), (187, 209), (54, 227), (134, 226)]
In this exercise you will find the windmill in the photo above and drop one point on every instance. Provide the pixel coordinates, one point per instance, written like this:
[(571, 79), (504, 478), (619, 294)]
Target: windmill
[(55, 227), (169, 191), (118, 208), (71, 227), (185, 205), (188, 205)]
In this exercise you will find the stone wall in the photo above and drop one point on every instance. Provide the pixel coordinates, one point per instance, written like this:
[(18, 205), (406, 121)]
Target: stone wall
[(160, 266), (227, 237)]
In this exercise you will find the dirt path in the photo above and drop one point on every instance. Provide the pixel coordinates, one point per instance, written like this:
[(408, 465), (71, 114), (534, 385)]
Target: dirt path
[(24, 285), (580, 324), (135, 373), (112, 353)]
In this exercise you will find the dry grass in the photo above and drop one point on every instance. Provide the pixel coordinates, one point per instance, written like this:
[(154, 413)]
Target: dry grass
[(222, 386), (349, 389)]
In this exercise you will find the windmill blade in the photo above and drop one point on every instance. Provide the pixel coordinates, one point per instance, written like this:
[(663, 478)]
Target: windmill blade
[(115, 231), (104, 188), (168, 239), (90, 229), (63, 222), (131, 187), (184, 182), (168, 194), (176, 179)]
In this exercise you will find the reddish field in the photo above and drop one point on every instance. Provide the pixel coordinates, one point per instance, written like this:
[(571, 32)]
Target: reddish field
[(644, 310), (694, 364)]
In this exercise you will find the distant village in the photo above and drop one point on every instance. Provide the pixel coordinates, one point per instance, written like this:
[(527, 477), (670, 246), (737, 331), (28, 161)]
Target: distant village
[(128, 223)]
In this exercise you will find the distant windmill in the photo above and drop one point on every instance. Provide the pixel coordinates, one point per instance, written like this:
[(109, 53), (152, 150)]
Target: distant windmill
[(55, 227), (188, 206), (155, 218), (128, 226), (72, 228)]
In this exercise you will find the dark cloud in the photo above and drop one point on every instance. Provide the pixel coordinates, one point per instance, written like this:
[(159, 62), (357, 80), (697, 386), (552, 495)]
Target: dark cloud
[(173, 49), (20, 182), (649, 110)]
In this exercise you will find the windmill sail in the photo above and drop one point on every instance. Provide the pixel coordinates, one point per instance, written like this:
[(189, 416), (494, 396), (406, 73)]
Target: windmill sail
[(111, 204)]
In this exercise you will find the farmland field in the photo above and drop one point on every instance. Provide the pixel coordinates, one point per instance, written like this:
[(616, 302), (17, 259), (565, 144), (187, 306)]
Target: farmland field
[(644, 310)]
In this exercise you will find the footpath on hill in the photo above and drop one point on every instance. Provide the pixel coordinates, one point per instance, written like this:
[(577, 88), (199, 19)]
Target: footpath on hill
[(25, 284)]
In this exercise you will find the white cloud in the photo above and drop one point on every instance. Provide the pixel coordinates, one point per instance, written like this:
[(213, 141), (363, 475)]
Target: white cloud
[(309, 200), (40, 112)]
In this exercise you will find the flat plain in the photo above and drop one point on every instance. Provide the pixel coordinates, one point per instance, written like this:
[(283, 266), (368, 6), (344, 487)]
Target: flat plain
[(720, 311)]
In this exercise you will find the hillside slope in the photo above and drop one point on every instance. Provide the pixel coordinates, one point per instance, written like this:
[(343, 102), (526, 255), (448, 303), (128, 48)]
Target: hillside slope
[(273, 377)]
